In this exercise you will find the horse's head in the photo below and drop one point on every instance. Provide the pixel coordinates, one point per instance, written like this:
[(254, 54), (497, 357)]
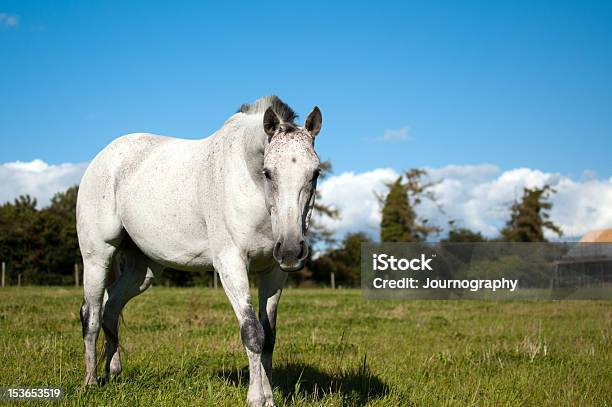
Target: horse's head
[(291, 168)]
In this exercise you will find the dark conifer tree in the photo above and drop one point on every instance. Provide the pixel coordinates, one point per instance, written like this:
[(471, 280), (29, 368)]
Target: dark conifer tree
[(400, 222), (529, 217)]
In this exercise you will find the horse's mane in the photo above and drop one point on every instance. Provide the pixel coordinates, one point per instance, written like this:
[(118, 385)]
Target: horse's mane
[(283, 110)]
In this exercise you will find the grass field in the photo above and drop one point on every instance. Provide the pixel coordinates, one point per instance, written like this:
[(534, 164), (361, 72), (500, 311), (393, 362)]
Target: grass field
[(182, 347)]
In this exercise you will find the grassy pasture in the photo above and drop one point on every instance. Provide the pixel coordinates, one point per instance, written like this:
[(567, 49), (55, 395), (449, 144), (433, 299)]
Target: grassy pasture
[(182, 347)]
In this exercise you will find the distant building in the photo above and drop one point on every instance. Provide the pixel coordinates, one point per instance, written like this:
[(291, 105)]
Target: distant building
[(597, 236), (587, 263)]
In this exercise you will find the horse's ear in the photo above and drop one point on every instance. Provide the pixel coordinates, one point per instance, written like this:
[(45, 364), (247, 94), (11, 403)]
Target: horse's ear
[(313, 121), (271, 122)]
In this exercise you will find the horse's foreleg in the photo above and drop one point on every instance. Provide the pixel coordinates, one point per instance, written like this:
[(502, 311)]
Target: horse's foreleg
[(270, 287), (232, 269)]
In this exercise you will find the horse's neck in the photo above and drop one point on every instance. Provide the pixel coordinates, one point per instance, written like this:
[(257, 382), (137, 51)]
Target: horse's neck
[(249, 141), (243, 142)]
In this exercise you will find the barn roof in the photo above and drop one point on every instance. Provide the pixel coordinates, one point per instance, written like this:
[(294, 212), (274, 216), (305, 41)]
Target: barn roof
[(593, 246), (598, 236)]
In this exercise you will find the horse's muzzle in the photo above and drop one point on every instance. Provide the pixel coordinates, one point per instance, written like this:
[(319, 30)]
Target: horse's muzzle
[(290, 253)]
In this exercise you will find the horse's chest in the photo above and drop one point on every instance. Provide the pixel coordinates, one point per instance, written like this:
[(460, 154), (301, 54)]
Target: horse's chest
[(260, 254)]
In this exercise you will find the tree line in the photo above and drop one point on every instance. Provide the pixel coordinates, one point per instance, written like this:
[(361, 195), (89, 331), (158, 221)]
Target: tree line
[(41, 245), (400, 222)]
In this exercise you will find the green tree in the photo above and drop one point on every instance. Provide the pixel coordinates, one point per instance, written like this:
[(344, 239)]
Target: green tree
[(398, 217), (63, 205), (462, 235), (344, 262), (529, 217), (19, 242), (41, 245), (400, 222)]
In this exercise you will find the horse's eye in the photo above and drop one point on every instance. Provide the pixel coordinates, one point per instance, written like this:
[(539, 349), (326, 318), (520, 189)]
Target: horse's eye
[(267, 174)]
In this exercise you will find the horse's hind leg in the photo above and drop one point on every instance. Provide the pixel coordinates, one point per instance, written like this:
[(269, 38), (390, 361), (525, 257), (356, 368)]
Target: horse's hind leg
[(136, 276), (96, 265)]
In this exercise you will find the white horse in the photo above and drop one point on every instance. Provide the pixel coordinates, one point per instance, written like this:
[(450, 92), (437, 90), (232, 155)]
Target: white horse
[(238, 201)]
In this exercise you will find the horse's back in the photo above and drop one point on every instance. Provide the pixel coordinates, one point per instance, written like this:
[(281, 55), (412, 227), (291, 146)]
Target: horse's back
[(127, 152), (97, 216)]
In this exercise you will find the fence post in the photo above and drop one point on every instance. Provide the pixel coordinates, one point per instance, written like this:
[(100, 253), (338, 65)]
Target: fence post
[(3, 273), (333, 280), (215, 283), (19, 280), (76, 274)]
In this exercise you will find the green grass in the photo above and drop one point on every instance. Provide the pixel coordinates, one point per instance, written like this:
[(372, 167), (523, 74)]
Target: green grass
[(182, 347)]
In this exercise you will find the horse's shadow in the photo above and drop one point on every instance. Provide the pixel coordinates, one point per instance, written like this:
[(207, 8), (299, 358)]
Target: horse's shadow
[(296, 381)]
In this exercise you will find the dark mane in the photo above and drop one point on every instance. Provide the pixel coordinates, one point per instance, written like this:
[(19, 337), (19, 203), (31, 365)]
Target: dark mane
[(283, 110)]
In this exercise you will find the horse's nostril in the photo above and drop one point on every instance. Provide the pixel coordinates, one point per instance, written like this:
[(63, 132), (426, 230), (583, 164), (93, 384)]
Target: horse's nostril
[(276, 250), (290, 254), (303, 250)]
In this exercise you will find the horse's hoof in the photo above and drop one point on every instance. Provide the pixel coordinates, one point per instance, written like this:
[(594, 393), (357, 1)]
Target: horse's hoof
[(91, 381), (256, 402), (115, 369)]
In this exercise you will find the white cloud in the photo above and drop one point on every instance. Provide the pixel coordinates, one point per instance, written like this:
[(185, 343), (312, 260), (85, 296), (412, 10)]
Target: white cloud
[(476, 196), (354, 195), (38, 179), (9, 20), (402, 134)]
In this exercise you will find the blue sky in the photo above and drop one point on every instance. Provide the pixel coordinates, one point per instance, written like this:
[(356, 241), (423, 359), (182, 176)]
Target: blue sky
[(513, 84)]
